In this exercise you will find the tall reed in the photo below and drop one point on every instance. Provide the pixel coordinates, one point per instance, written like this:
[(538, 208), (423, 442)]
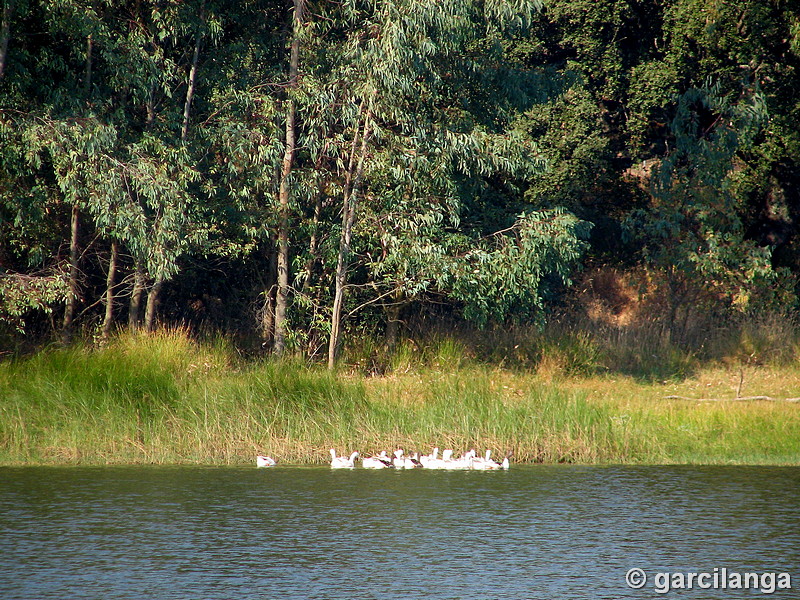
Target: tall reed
[(168, 399)]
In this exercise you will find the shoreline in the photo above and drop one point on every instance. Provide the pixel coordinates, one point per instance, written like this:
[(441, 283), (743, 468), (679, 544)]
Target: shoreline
[(324, 466)]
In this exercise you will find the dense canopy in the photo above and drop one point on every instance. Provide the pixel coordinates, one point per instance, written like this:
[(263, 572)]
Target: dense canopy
[(291, 171)]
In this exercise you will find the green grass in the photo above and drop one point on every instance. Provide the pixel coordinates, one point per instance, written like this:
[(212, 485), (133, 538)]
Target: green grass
[(167, 399)]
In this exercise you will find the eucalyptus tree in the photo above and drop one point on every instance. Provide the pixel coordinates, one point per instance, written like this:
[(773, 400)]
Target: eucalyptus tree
[(74, 70), (108, 131), (290, 142), (396, 111), (431, 121), (249, 103), (5, 33), (33, 277), (171, 186)]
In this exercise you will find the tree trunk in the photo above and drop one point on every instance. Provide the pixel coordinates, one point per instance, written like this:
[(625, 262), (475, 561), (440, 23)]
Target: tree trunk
[(112, 273), (313, 245), (282, 294), (134, 310), (268, 311), (392, 326), (153, 298), (190, 89), (268, 319), (150, 106), (344, 244), (5, 34), (350, 199), (88, 77), (72, 298)]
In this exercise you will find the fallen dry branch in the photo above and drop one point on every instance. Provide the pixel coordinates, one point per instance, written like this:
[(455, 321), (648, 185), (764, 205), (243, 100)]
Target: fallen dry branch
[(737, 399)]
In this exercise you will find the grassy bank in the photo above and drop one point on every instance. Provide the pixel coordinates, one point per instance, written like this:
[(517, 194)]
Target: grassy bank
[(166, 399)]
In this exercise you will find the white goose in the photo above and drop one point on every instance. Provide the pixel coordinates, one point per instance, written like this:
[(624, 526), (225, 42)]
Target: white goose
[(447, 460), (487, 464), (381, 461), (461, 464), (340, 462), (265, 461), (505, 464), (432, 460), (413, 461)]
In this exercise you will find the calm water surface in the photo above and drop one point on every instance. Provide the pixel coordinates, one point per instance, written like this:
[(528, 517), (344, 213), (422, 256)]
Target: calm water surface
[(306, 533)]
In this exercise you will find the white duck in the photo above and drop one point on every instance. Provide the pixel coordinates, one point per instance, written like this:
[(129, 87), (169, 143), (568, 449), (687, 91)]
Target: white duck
[(340, 462), (265, 461), (447, 460)]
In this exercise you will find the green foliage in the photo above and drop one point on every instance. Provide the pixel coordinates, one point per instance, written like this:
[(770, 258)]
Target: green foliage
[(694, 230), (22, 294), (496, 277), (511, 143), (576, 149), (512, 274)]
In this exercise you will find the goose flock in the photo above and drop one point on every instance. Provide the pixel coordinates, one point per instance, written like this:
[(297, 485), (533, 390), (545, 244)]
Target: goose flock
[(467, 461)]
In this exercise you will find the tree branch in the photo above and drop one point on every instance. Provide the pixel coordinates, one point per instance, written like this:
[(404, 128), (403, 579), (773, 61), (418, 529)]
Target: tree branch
[(737, 399)]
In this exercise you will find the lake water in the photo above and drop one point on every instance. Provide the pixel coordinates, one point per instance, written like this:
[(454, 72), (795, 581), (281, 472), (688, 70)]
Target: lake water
[(533, 532)]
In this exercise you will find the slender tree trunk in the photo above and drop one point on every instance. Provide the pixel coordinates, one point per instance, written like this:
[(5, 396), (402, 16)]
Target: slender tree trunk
[(349, 205), (72, 298), (268, 319), (344, 242), (268, 312), (190, 89), (153, 298), (282, 294), (313, 246), (5, 33), (150, 106), (393, 312), (134, 310), (88, 77), (112, 274)]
